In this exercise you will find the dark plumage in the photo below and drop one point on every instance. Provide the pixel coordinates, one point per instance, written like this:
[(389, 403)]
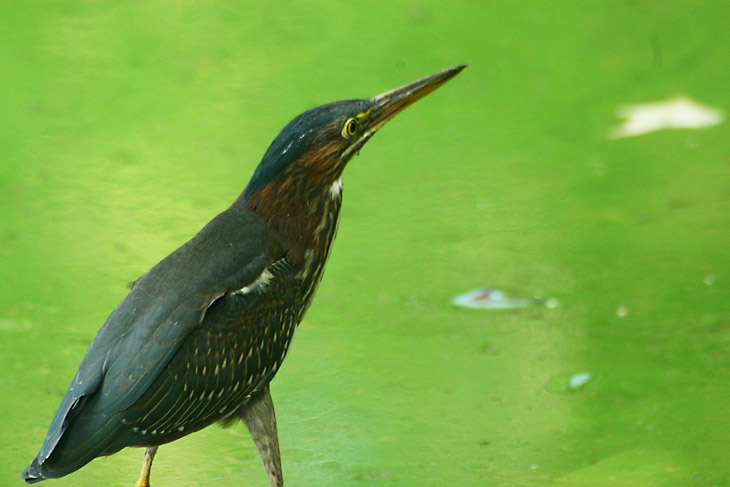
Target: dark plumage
[(201, 334)]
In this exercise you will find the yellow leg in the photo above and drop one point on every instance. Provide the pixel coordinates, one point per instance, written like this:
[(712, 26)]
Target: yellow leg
[(144, 477)]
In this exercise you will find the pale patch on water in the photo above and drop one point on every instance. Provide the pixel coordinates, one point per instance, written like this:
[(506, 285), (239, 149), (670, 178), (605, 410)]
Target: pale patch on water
[(490, 299), (678, 113), (10, 325)]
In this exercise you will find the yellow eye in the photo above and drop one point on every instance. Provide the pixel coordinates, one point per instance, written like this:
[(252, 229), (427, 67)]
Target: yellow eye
[(350, 128)]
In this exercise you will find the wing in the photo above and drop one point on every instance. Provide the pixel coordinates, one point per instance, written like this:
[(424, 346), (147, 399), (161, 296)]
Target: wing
[(232, 356), (147, 328)]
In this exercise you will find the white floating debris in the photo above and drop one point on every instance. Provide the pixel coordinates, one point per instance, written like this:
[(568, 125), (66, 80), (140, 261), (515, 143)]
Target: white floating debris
[(578, 380), (568, 382), (678, 113), (488, 298), (709, 280), (622, 312), (552, 303)]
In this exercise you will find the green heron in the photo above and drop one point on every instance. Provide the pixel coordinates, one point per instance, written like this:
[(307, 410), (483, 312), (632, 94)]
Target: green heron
[(199, 337)]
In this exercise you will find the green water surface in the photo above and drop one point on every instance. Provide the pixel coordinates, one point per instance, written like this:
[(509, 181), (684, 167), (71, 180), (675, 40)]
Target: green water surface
[(126, 126)]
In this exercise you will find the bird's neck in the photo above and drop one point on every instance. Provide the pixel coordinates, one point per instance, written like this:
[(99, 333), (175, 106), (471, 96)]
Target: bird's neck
[(306, 225)]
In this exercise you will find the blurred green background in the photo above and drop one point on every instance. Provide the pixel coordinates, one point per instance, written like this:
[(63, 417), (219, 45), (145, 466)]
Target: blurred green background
[(126, 126)]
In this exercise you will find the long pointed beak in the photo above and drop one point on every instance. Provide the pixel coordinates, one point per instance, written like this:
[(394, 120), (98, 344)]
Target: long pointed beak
[(389, 104)]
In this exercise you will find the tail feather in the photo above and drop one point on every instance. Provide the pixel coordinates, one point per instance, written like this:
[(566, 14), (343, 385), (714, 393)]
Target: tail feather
[(67, 449), (32, 473), (75, 449)]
